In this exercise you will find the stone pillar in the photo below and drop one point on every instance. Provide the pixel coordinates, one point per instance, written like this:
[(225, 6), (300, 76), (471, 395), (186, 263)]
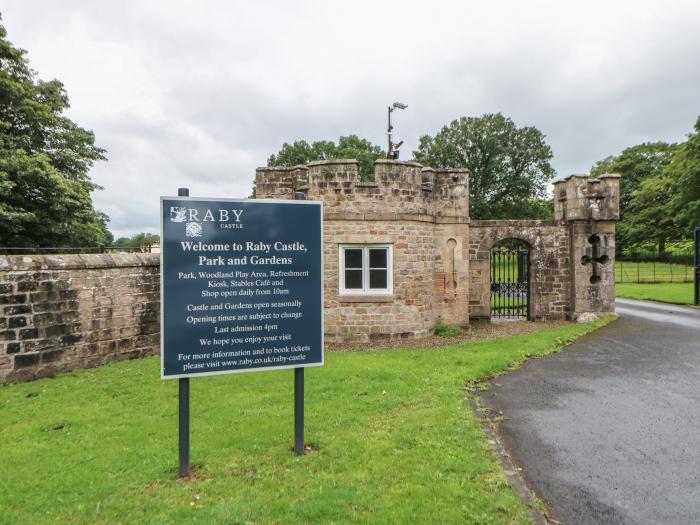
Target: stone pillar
[(450, 199), (590, 207)]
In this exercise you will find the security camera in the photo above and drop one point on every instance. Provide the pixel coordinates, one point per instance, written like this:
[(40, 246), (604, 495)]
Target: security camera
[(399, 105), (455, 178)]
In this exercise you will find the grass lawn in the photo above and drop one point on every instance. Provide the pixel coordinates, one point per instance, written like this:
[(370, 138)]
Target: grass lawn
[(678, 293), (395, 440)]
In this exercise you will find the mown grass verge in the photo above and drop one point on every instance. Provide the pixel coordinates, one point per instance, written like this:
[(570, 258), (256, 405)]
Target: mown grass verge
[(393, 435), (677, 293)]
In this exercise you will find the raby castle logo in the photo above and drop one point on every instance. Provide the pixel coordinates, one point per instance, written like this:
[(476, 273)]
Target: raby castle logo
[(194, 219)]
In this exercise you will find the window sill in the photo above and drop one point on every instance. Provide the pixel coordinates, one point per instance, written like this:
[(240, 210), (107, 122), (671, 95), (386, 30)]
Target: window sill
[(361, 298)]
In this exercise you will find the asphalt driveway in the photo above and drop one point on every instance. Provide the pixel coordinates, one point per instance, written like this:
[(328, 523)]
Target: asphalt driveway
[(608, 430)]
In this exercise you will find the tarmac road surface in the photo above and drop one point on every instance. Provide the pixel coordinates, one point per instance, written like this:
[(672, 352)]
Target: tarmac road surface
[(608, 430)]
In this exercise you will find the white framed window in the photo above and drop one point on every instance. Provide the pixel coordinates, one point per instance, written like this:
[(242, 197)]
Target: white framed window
[(366, 269)]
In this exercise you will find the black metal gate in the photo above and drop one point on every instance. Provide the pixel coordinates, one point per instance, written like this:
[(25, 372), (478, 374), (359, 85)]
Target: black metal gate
[(510, 280)]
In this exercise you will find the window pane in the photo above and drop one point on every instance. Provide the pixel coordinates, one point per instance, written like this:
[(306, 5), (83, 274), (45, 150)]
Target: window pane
[(353, 258), (377, 257), (353, 279), (377, 279)]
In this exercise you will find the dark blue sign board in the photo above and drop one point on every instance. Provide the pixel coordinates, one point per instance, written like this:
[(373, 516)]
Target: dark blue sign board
[(241, 285)]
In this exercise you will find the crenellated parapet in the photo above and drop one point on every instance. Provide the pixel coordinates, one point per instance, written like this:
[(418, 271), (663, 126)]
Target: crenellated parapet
[(399, 188), (280, 182), (451, 193), (579, 197)]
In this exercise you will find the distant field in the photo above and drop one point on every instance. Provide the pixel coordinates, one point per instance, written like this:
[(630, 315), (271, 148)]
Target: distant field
[(652, 272), (678, 293)]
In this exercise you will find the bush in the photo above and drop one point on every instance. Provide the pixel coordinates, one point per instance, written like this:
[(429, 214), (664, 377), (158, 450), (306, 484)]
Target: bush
[(447, 330)]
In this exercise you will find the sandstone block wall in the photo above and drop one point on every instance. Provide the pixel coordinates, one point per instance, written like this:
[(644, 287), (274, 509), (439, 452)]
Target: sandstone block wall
[(408, 312), (590, 208), (550, 273), (63, 312), (58, 313), (422, 213)]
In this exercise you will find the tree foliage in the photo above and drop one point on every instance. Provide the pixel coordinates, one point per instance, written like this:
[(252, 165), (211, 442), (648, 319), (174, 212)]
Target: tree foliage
[(635, 164), (684, 169), (349, 147), (45, 160), (509, 166), (138, 241), (649, 218), (660, 191)]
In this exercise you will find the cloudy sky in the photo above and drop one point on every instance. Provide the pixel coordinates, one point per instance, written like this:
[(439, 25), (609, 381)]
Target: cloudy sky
[(200, 93)]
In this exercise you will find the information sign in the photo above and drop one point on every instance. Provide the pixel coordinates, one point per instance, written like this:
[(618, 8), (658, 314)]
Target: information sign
[(241, 285)]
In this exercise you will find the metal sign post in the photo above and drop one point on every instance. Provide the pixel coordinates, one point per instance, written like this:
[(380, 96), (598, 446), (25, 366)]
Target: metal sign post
[(696, 262), (299, 390), (183, 393), (241, 291)]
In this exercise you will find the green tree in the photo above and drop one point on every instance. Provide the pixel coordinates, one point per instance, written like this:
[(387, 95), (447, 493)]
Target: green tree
[(45, 160), (635, 164), (137, 241), (349, 147), (660, 191), (684, 169), (649, 216), (509, 166)]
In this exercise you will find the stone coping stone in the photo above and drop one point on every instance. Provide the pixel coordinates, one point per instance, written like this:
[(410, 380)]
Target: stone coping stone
[(281, 168), (584, 176), (525, 223), (399, 162), (332, 161), (452, 170), (76, 261), (330, 215)]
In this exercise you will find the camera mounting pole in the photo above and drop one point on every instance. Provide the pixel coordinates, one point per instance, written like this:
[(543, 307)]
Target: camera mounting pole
[(393, 151)]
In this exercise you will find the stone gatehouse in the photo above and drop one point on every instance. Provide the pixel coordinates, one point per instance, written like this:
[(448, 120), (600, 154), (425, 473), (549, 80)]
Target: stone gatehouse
[(401, 253)]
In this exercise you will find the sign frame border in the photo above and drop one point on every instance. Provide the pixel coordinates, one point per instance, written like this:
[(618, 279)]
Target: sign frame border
[(162, 291)]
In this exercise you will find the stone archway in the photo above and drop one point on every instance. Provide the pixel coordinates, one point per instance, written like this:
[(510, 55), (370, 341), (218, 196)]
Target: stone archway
[(550, 285)]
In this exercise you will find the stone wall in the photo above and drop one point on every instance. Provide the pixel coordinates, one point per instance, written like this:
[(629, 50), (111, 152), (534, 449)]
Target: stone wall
[(64, 312), (422, 213), (590, 208), (550, 273), (408, 312), (571, 258), (442, 259)]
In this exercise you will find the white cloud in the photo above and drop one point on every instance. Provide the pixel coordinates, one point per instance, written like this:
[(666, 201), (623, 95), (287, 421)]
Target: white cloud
[(200, 93)]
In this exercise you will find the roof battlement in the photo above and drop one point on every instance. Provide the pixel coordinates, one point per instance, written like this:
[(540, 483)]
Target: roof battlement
[(580, 197), (408, 189), (404, 188)]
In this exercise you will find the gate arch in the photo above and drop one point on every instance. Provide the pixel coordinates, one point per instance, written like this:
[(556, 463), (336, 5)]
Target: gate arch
[(509, 271)]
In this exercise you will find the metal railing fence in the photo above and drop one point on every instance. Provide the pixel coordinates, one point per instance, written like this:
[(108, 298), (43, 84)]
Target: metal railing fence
[(650, 267)]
